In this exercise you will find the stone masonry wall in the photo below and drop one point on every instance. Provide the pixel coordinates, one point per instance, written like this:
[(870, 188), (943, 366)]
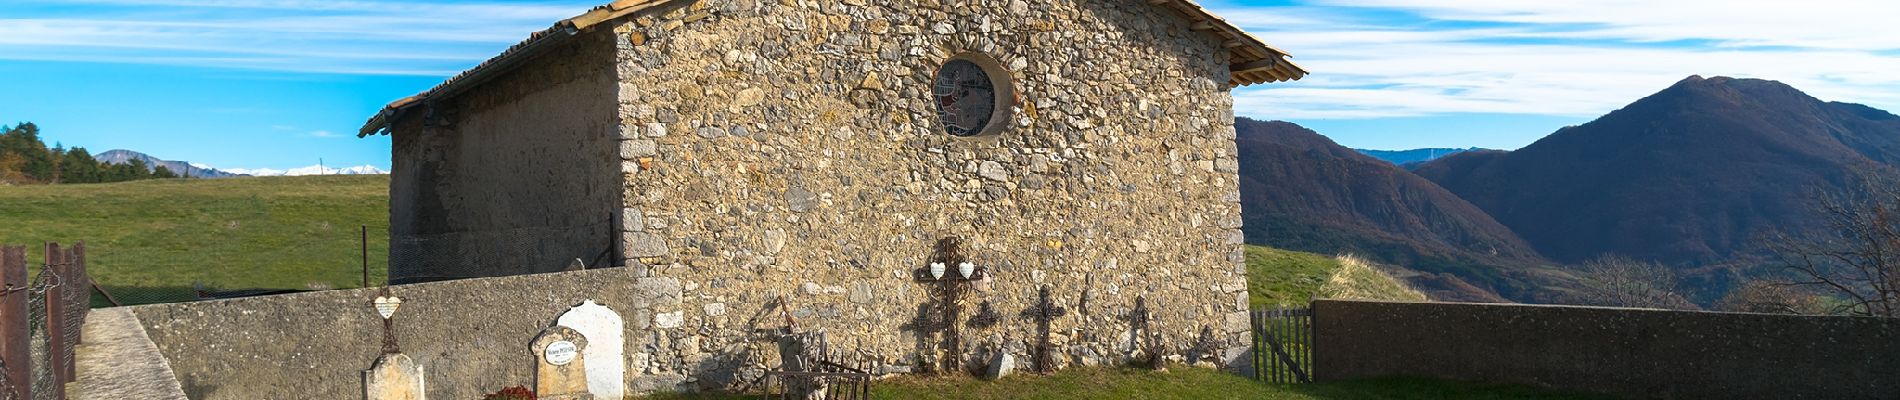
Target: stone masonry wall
[(790, 148), (516, 175)]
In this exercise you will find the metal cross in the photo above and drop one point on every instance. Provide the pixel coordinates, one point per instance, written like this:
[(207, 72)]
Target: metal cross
[(950, 292), (386, 306), (1044, 312)]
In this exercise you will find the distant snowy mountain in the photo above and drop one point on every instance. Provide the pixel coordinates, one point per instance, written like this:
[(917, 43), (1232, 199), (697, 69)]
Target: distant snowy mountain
[(310, 170), (195, 170)]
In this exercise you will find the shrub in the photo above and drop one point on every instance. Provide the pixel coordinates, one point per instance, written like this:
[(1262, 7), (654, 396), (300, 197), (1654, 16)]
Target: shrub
[(512, 393)]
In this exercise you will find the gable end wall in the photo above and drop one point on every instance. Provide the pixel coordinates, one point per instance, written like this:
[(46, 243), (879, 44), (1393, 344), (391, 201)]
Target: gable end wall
[(513, 176), (790, 149)]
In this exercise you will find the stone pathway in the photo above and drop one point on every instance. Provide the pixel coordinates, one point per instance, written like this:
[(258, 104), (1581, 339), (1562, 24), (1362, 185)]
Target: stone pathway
[(118, 361)]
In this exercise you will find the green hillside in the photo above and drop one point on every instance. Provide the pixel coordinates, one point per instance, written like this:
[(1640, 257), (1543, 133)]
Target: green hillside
[(1291, 278), (149, 241)]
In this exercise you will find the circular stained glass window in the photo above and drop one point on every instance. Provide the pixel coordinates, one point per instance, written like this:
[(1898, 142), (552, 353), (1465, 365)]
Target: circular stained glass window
[(966, 98)]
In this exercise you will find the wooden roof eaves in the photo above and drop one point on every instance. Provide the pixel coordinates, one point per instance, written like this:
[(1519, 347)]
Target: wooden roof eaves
[(534, 44)]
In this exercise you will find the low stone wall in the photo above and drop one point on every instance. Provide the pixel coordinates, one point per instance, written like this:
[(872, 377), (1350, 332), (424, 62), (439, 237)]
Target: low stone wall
[(1628, 352), (470, 336)]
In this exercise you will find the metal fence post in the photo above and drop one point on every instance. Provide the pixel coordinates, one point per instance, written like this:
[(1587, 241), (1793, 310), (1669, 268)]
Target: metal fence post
[(55, 316), (14, 333), (365, 242)]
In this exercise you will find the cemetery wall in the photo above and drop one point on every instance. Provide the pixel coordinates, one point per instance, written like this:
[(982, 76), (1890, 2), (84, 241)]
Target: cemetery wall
[(515, 176), (1639, 353), (470, 336), (793, 149)]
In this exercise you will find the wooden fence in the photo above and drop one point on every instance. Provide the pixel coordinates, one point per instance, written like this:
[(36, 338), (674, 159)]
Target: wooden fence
[(1283, 345), (40, 321)]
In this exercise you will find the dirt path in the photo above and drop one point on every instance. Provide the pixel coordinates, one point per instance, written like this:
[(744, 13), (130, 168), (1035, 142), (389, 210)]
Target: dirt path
[(118, 361)]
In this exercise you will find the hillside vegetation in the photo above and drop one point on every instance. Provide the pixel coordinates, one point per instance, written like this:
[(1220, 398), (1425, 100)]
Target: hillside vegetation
[(149, 241), (1291, 278), (1301, 191), (25, 159)]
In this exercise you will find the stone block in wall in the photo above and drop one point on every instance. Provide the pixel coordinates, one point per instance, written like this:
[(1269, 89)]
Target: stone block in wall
[(642, 244), (1237, 322), (636, 148), (632, 220)]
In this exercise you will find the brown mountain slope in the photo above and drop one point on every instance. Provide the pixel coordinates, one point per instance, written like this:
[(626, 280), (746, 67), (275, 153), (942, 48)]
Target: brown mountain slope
[(1687, 176), (1301, 191)]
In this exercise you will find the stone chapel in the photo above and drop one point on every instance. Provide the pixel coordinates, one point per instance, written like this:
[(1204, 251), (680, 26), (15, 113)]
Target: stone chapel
[(819, 151)]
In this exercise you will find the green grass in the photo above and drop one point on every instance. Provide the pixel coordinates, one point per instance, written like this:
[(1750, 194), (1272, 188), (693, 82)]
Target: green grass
[(1177, 383), (149, 241), (1283, 277), (1357, 278), (1290, 278)]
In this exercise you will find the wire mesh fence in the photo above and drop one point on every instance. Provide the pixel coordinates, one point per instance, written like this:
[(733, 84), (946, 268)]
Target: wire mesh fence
[(41, 320), (349, 258), (471, 254), (339, 257)]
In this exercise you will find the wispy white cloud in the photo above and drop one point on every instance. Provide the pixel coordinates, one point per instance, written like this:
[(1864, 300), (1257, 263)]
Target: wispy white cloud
[(356, 37), (1560, 58), (321, 134)]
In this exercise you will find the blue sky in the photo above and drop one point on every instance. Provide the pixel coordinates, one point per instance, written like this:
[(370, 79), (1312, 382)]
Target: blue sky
[(282, 83)]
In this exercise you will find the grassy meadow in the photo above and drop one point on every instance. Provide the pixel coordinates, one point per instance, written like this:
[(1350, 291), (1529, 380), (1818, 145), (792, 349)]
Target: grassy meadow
[(1176, 383), (150, 241)]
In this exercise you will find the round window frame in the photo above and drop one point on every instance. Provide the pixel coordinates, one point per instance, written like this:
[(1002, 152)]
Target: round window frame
[(1001, 80)]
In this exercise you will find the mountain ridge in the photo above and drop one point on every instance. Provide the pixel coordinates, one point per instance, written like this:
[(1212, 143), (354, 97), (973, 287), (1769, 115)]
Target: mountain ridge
[(1301, 191), (1690, 175), (122, 156), (1411, 158)]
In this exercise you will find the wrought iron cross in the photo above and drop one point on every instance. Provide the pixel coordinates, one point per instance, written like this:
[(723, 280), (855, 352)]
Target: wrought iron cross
[(386, 306), (1044, 312), (950, 289)]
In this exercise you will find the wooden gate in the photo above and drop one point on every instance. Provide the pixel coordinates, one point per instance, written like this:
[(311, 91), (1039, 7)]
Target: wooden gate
[(1283, 345)]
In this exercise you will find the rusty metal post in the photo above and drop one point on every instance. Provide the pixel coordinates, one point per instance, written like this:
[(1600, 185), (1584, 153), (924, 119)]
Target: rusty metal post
[(15, 358), (56, 345), (365, 242)]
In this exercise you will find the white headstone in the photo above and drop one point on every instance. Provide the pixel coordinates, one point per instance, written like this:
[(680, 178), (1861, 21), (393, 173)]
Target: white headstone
[(606, 364)]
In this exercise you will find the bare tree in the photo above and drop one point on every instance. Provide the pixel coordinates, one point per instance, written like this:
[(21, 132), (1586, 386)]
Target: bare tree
[(1619, 281), (1770, 297), (1856, 259)]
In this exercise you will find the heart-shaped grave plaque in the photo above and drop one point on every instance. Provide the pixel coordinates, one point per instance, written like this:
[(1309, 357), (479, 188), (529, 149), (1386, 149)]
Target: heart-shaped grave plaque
[(387, 305)]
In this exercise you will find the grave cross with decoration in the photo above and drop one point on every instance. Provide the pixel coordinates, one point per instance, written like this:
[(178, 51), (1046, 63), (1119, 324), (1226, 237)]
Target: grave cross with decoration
[(950, 270), (386, 306)]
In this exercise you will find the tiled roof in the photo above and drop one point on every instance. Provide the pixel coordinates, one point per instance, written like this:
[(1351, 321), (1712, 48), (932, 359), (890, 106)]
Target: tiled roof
[(1252, 61)]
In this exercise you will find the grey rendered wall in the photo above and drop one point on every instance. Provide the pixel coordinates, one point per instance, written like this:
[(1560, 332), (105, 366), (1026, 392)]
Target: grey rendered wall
[(516, 175), (470, 336), (1637, 353)]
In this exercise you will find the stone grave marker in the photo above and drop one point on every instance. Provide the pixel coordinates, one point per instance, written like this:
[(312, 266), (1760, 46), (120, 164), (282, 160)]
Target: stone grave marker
[(560, 373), (394, 377), (606, 363)]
